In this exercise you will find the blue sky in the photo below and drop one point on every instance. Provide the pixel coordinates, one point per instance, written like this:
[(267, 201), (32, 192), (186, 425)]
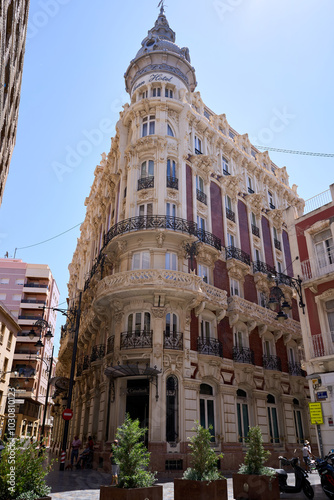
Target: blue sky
[(268, 65)]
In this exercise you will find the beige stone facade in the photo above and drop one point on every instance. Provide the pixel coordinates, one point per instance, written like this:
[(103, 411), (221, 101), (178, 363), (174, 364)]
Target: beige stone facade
[(185, 225), (13, 29), (8, 333)]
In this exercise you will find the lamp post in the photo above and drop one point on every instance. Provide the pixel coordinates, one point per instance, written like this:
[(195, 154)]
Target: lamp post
[(277, 298), (70, 387)]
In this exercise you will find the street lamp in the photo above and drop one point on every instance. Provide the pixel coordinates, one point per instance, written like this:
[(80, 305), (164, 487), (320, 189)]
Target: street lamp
[(277, 298)]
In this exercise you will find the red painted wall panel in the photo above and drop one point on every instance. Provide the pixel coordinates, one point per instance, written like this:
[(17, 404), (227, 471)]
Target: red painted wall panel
[(193, 331), (189, 191), (217, 211), (243, 227), (220, 276), (268, 250), (250, 292), (288, 261), (256, 345), (312, 312), (282, 354)]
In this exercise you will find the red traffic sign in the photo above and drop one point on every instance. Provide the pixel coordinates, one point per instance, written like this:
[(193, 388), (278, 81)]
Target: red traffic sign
[(67, 414)]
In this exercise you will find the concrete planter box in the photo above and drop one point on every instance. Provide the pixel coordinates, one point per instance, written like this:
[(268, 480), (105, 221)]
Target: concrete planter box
[(253, 487), (113, 493), (200, 490)]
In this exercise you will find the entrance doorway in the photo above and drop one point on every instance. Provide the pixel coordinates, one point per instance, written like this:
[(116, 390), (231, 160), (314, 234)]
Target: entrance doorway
[(137, 402)]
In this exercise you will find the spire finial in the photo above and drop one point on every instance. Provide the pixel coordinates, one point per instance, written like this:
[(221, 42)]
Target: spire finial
[(162, 7)]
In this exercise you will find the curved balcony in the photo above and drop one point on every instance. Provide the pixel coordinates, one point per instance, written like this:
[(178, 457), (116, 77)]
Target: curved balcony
[(141, 339), (146, 183), (98, 352), (209, 346), (237, 253), (175, 282), (272, 363), (173, 340), (172, 182), (243, 355)]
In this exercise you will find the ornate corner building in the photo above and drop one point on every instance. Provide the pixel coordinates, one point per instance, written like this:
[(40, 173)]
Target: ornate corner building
[(312, 236), (13, 29), (184, 230)]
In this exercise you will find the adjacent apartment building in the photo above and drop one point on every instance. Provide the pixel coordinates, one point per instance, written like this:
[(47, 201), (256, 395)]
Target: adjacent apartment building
[(185, 239), (13, 30), (29, 292), (312, 237), (8, 333)]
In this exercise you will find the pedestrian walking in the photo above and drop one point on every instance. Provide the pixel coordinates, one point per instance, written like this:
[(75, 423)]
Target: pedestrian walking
[(76, 444), (307, 454), (114, 465)]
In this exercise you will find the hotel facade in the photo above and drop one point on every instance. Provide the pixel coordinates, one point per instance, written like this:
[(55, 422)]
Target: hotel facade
[(184, 238)]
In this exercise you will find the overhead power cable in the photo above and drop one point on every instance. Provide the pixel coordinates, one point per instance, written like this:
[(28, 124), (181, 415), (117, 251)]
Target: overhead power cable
[(49, 239), (292, 152)]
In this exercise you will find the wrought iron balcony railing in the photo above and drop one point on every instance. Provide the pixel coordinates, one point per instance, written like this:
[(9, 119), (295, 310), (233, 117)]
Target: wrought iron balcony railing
[(146, 182), (237, 253), (262, 267), (172, 182), (86, 362), (99, 262), (272, 362), (277, 244), (243, 355), (295, 369), (141, 339), (230, 214), (255, 231), (110, 344), (98, 352), (173, 340), (201, 196), (161, 222), (209, 346), (284, 279)]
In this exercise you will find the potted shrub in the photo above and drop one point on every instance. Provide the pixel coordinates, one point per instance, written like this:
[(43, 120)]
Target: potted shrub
[(135, 482), (254, 481), (202, 480), (22, 472)]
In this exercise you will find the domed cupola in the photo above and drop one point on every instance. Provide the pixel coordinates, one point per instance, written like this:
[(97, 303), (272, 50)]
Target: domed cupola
[(160, 58)]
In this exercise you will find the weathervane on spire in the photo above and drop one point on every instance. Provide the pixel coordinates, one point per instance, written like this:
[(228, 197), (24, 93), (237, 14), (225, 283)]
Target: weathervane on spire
[(162, 7)]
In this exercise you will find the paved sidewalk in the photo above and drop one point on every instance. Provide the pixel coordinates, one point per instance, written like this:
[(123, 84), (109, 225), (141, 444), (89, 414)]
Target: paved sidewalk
[(84, 485)]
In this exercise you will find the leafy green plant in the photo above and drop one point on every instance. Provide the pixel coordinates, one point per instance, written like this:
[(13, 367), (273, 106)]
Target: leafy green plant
[(22, 472), (203, 457), (256, 455), (132, 456)]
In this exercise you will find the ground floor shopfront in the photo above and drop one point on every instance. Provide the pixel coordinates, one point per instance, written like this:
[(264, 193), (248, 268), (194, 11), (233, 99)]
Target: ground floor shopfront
[(220, 393)]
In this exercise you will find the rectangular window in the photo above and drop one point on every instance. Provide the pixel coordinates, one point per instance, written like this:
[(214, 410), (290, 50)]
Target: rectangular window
[(198, 145), (200, 223), (146, 210), (250, 185), (271, 200), (230, 240), (156, 92), (10, 340), (171, 261), (298, 426), (273, 424), (324, 248), (199, 183), (228, 203), (203, 272), (3, 296), (4, 281), (234, 287), (238, 340), (141, 260), (226, 167), (170, 210), (19, 281), (243, 421), (16, 296), (207, 415)]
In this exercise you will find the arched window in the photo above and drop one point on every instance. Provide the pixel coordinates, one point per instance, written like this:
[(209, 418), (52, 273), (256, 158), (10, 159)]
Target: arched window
[(172, 409), (148, 125), (206, 406), (138, 322), (170, 130), (242, 415), (272, 419)]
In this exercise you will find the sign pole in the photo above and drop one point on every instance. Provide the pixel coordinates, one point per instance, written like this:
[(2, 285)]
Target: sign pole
[(320, 441)]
